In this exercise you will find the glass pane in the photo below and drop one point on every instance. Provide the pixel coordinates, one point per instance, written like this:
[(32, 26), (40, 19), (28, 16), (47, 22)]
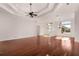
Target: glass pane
[(66, 26)]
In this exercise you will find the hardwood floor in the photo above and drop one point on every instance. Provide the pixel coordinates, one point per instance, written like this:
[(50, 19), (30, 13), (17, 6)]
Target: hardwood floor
[(76, 49), (37, 46), (57, 49), (24, 46)]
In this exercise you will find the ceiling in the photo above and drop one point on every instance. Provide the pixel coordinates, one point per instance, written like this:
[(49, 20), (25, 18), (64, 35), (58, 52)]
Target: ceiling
[(22, 9)]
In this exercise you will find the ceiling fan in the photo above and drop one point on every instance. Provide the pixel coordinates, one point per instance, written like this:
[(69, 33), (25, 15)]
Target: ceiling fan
[(31, 13)]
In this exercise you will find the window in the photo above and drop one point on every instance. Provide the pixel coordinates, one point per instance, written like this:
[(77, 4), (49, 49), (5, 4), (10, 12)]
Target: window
[(66, 26)]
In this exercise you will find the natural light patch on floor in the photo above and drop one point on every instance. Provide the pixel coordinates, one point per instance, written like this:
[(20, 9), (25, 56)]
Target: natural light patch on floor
[(58, 37), (66, 43)]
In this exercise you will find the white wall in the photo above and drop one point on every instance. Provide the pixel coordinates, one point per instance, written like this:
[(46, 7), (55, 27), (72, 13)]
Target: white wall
[(12, 27), (77, 24)]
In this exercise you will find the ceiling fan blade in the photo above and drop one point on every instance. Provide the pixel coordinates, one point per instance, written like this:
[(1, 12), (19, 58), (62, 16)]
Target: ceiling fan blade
[(31, 16), (35, 14)]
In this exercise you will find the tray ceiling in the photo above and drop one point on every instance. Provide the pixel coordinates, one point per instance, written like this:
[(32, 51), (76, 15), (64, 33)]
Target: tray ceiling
[(39, 8)]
